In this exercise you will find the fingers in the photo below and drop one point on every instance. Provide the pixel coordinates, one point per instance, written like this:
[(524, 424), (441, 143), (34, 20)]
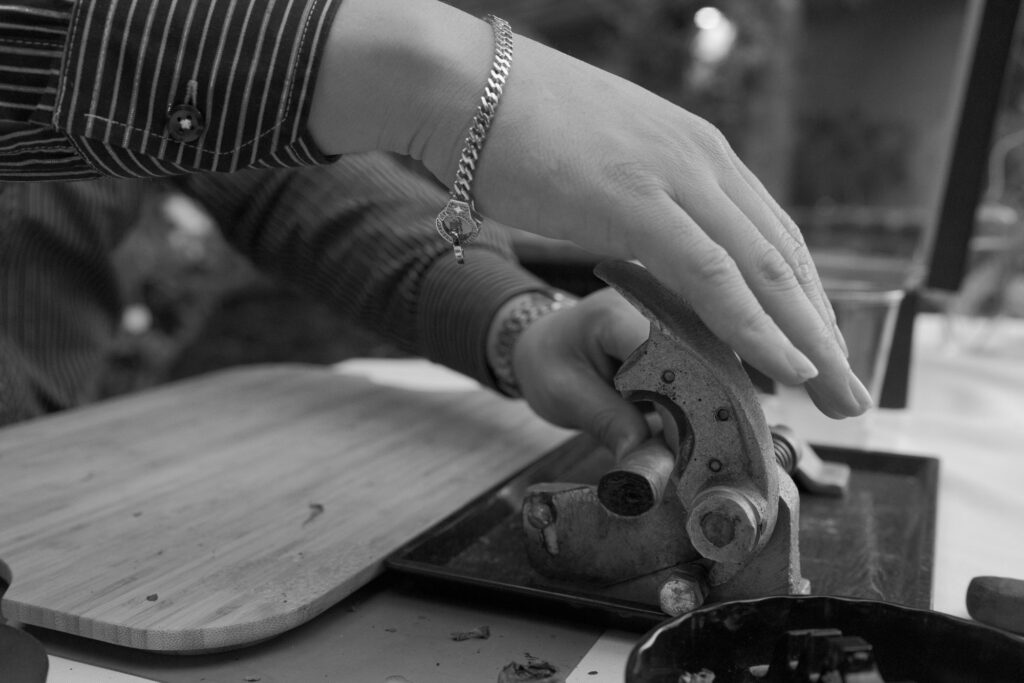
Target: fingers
[(778, 227), (769, 272), (577, 393), (822, 401), (601, 411), (836, 378), (565, 363), (623, 328), (718, 292)]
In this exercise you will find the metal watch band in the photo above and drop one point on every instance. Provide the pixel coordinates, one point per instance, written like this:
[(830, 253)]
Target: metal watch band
[(458, 222), (530, 309)]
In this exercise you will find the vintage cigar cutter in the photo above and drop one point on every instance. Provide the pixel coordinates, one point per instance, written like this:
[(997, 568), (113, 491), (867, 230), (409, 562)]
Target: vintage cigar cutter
[(706, 510)]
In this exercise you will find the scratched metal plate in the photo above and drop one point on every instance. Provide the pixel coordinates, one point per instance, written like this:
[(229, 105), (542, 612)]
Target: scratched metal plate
[(876, 543)]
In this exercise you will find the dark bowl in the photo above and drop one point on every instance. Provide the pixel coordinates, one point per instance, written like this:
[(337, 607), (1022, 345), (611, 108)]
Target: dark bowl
[(22, 658), (908, 644)]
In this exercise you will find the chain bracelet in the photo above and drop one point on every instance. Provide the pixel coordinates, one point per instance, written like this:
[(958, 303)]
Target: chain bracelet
[(458, 222)]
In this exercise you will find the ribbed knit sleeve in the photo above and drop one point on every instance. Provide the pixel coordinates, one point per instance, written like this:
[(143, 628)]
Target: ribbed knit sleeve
[(59, 298), (357, 234), (360, 235)]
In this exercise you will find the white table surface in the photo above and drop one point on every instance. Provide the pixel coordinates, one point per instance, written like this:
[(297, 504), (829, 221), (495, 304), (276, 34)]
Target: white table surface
[(966, 408)]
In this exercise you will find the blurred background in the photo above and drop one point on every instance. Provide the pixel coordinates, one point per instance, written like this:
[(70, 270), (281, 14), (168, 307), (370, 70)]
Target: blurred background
[(846, 109)]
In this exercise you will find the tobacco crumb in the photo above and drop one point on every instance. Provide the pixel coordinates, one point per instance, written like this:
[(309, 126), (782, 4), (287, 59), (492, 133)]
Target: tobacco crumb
[(479, 633), (391, 629), (396, 679), (251, 679), (591, 673), (152, 597), (136, 514), (315, 510), (534, 671)]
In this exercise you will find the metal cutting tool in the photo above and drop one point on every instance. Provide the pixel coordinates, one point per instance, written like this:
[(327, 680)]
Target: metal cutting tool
[(707, 510)]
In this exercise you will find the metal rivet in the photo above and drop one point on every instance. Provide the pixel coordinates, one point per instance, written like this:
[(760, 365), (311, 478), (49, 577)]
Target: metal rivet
[(715, 465), (722, 414), (668, 377)]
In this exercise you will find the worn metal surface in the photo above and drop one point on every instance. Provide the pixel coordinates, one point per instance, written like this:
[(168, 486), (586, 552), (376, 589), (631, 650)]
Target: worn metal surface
[(709, 494), (576, 538)]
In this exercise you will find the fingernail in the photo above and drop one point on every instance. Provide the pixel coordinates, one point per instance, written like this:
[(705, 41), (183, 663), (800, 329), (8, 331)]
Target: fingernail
[(801, 365), (860, 393)]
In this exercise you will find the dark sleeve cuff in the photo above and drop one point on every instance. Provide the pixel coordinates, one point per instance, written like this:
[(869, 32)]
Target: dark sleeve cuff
[(458, 303)]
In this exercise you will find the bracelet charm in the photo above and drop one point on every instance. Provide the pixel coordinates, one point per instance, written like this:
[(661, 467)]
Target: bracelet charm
[(459, 223)]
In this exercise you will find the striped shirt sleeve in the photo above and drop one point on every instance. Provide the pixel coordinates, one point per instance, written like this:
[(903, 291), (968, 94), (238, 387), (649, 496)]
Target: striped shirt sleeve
[(143, 88), (32, 37)]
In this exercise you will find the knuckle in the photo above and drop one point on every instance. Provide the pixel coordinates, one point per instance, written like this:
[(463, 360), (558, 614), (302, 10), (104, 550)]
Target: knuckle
[(717, 268), (794, 232), (772, 267), (613, 325), (754, 322), (705, 130), (603, 424), (713, 142), (804, 268), (799, 258), (632, 178), (825, 330)]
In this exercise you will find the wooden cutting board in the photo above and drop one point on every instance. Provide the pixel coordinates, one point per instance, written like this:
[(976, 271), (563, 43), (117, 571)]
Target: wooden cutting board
[(219, 512)]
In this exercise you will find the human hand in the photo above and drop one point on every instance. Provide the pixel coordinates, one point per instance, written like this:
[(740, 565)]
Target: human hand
[(577, 153), (564, 364)]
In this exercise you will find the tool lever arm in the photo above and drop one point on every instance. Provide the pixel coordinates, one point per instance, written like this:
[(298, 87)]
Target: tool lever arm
[(727, 480)]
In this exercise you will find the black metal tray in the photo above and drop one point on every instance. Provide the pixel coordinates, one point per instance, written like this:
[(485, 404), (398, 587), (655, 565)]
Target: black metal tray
[(877, 542)]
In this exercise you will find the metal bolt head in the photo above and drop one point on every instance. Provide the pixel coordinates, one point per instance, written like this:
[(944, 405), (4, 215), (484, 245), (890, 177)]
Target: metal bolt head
[(539, 514), (680, 594), (719, 528), (724, 524)]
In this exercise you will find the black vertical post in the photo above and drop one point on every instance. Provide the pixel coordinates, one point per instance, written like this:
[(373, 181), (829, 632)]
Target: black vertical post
[(993, 44), (966, 177)]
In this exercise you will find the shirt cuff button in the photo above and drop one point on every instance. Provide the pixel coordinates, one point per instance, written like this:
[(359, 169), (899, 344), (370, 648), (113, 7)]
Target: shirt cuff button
[(185, 123)]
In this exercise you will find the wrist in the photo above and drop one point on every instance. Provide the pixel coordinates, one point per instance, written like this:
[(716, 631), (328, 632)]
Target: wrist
[(508, 325), (401, 76)]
